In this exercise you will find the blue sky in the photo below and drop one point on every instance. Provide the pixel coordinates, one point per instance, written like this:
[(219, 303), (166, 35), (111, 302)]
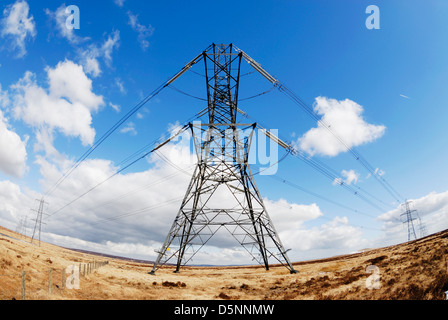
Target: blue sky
[(396, 77)]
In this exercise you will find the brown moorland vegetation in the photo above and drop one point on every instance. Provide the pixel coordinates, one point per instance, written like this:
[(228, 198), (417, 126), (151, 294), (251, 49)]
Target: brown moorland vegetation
[(416, 270)]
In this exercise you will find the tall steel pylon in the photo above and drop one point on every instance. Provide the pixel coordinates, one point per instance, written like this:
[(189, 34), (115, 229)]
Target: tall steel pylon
[(222, 193), (38, 221), (408, 218)]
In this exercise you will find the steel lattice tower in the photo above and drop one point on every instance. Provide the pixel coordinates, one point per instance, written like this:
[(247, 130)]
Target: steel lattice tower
[(222, 146), (408, 217), (38, 221)]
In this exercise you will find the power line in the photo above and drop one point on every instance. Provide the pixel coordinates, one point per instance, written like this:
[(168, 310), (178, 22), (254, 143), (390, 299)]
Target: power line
[(132, 213), (282, 88), (116, 173), (296, 186), (130, 158), (136, 190), (327, 218), (331, 174), (353, 151), (131, 112)]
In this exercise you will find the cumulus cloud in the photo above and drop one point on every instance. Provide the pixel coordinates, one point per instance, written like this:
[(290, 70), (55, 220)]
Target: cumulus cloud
[(287, 215), (129, 128), (335, 237), (13, 154), (66, 105), (90, 57), (350, 176), (129, 210), (345, 120), (18, 26), (15, 203)]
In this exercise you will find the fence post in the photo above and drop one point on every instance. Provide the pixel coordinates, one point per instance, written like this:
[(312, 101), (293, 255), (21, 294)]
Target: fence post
[(23, 285), (50, 280), (63, 278)]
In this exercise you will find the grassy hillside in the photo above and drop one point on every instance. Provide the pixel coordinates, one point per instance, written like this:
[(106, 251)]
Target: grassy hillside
[(416, 270)]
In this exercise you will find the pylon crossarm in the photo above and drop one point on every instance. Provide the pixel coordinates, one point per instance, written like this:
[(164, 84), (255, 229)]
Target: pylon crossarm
[(185, 69), (257, 67)]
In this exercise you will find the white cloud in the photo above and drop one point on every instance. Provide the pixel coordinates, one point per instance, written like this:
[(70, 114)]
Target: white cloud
[(350, 176), (90, 57), (287, 216), (345, 121), (129, 128), (4, 98), (14, 204), (18, 26), (119, 83), (116, 107), (66, 105), (119, 3), (143, 31), (334, 237), (13, 154)]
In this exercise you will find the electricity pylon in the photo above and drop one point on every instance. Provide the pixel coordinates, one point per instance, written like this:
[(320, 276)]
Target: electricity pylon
[(22, 226), (222, 193), (38, 221), (408, 218)]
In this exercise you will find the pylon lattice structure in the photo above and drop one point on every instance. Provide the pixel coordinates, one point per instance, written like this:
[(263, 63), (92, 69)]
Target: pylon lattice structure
[(222, 193), (408, 218), (38, 221)]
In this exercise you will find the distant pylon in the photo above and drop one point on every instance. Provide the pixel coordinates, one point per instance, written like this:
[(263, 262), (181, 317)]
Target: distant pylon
[(38, 220), (408, 217), (423, 230), (22, 226)]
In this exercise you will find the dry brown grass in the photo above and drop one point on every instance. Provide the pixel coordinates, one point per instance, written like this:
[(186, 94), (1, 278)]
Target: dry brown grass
[(416, 270)]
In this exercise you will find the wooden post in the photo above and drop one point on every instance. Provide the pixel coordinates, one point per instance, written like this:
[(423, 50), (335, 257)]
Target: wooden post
[(23, 285), (50, 280), (63, 278)]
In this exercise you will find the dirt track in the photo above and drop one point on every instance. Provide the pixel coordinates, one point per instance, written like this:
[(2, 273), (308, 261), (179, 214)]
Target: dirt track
[(416, 270)]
